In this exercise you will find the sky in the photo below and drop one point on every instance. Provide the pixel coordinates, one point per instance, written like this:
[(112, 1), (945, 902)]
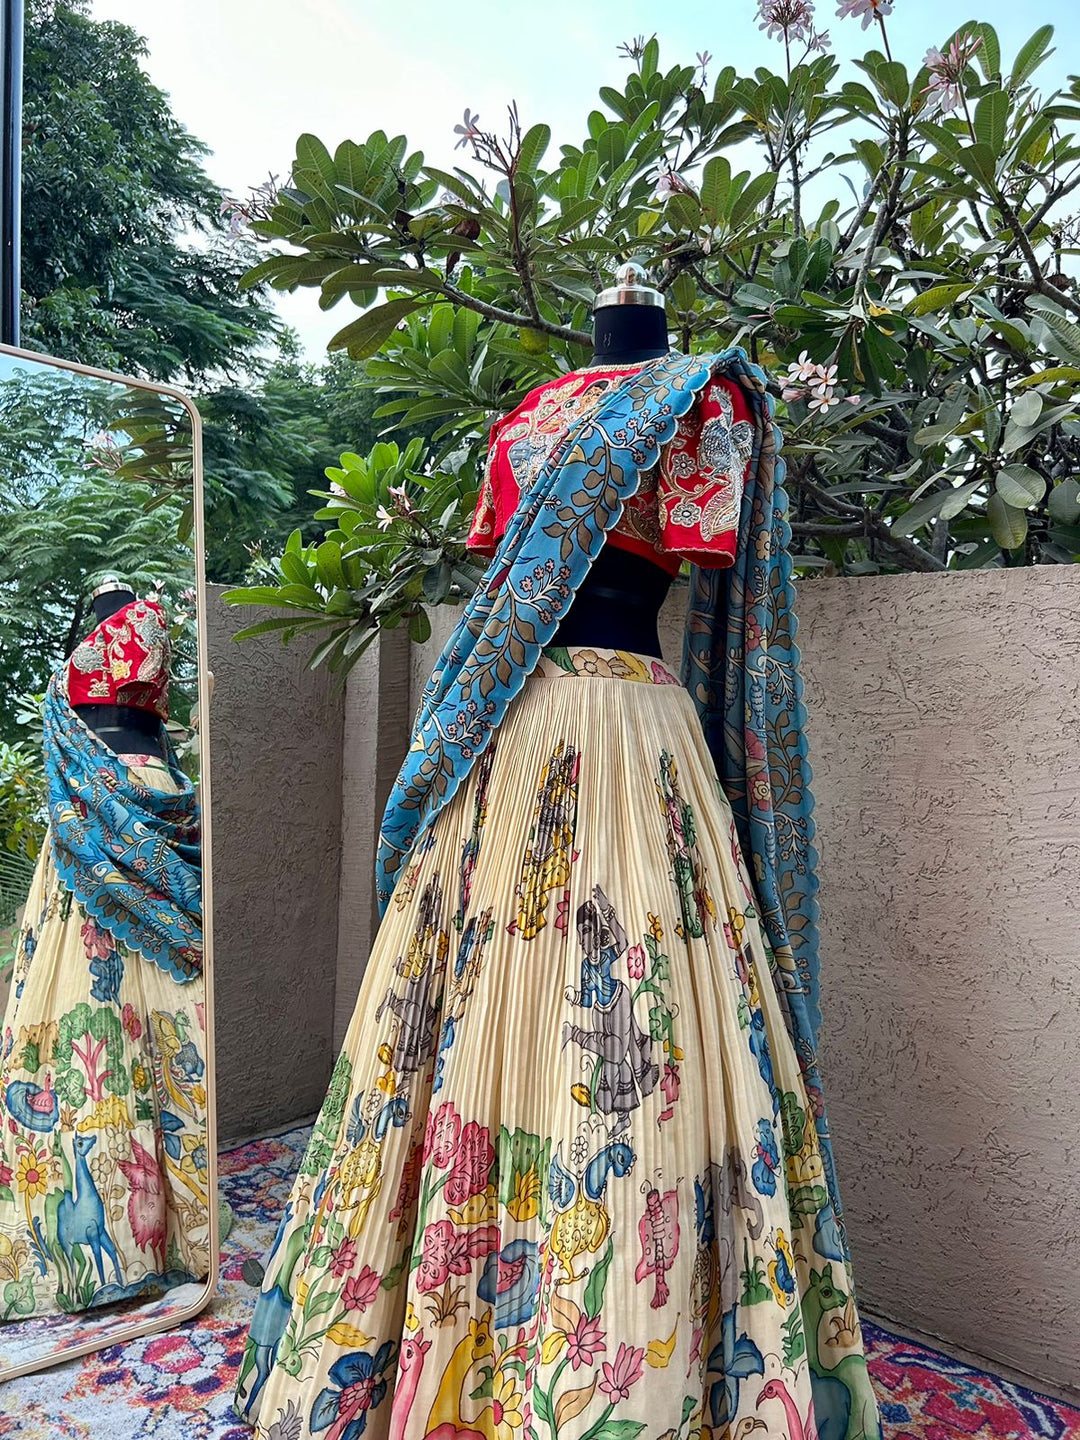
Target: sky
[(248, 76)]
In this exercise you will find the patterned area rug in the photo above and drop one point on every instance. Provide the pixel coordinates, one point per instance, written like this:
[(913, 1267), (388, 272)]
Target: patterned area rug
[(178, 1386)]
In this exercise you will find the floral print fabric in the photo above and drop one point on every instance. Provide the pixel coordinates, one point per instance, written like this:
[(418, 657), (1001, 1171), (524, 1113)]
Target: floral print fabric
[(687, 505), (103, 1161), (566, 1181)]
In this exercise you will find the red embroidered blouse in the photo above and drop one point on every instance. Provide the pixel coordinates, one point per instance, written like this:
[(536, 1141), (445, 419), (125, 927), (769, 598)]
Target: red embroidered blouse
[(687, 505), (124, 661)]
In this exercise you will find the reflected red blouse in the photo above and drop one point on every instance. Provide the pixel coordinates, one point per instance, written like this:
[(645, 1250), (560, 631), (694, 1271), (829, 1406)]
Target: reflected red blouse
[(124, 661), (687, 505)]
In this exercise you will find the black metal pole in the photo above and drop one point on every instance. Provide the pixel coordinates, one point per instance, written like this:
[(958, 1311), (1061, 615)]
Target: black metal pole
[(11, 71)]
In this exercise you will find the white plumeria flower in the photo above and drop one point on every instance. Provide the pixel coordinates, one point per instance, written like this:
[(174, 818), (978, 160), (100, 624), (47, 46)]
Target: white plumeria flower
[(824, 378), (402, 503), (384, 517), (800, 371), (823, 401), (870, 10)]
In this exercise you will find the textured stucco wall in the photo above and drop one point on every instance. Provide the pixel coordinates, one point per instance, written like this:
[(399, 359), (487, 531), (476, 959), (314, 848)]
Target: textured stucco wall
[(944, 713), (276, 757), (376, 731)]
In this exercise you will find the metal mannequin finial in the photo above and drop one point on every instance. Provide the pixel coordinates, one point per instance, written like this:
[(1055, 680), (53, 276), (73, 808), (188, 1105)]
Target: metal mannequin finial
[(631, 288)]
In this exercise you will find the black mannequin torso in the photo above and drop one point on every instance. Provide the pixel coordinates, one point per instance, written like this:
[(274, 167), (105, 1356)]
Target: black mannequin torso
[(126, 730), (619, 601)]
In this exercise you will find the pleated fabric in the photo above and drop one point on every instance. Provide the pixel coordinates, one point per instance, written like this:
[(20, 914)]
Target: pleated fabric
[(566, 1179), (103, 1159)]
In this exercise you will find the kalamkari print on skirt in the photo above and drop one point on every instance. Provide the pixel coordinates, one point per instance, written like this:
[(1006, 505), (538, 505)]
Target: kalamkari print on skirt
[(566, 1181), (103, 1161)]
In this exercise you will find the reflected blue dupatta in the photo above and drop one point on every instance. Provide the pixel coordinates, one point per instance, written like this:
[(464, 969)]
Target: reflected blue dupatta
[(130, 855), (740, 663)]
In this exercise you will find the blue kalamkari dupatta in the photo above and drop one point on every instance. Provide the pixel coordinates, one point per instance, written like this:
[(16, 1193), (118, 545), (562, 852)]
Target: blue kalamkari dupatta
[(130, 855), (740, 662)]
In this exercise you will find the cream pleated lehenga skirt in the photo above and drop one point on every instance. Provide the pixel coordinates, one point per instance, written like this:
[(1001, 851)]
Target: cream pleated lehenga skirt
[(103, 1164), (566, 1182)]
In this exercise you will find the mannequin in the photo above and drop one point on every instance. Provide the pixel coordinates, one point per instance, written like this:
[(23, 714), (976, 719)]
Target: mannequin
[(619, 602), (124, 729)]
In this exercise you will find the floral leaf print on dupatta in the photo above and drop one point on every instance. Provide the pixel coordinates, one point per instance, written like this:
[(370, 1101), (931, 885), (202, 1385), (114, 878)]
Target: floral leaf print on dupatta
[(554, 536), (741, 665), (130, 855)]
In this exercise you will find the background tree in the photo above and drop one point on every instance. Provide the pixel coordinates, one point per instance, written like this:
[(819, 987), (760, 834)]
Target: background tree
[(268, 446), (127, 262), (895, 246)]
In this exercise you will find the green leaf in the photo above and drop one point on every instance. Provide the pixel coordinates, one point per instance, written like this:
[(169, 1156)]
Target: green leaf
[(615, 1430), (328, 560), (931, 506), (252, 1272), (871, 155), (939, 297), (533, 145), (1031, 55), (312, 154), (1063, 502), (303, 596), (752, 197), (946, 142), (318, 1302), (979, 161), (1016, 437), (594, 1289), (715, 186), (252, 595), (365, 335), (991, 120), (1056, 374), (650, 59), (1027, 409), (892, 79), (1064, 331), (956, 501), (294, 569), (419, 627), (1020, 486), (1008, 525), (614, 100)]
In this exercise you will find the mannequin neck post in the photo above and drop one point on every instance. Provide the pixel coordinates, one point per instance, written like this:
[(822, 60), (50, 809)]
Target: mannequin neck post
[(625, 334), (109, 602)]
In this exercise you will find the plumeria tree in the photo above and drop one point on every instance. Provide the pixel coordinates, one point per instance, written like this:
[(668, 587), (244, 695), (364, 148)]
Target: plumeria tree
[(894, 242)]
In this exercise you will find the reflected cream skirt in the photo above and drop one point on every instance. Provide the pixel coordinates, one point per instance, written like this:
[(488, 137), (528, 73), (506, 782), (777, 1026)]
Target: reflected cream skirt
[(103, 1169), (566, 1179)]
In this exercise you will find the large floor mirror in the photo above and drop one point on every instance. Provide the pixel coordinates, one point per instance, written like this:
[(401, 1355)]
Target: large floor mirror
[(108, 1209)]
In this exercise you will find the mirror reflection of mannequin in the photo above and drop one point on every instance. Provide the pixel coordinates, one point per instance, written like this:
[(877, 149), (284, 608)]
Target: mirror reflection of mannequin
[(124, 728), (102, 1062)]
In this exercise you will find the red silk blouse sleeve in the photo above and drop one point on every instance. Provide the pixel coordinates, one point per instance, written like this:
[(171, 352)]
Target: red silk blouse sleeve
[(486, 529), (701, 477)]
